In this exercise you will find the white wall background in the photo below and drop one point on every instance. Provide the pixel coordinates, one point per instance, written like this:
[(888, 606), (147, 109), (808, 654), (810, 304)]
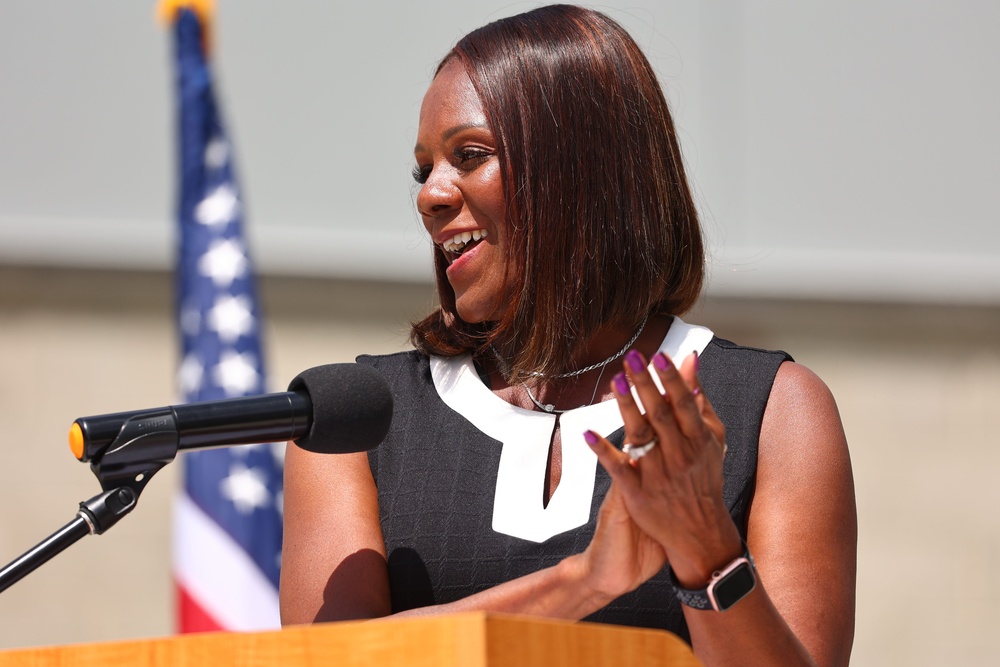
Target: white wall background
[(916, 385), (843, 149)]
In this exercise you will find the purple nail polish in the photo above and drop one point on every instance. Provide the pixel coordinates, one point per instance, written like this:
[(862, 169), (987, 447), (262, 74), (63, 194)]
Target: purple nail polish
[(696, 362), (634, 361), (662, 361), (620, 383), (590, 437), (696, 391)]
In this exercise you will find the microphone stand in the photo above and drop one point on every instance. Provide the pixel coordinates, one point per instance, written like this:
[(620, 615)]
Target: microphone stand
[(95, 516), (143, 446)]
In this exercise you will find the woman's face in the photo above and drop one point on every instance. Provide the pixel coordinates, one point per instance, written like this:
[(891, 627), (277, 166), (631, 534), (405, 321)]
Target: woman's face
[(461, 197)]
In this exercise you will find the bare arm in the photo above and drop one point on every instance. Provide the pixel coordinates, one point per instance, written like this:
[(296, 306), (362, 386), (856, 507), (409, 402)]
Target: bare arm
[(333, 559), (803, 535), (802, 529)]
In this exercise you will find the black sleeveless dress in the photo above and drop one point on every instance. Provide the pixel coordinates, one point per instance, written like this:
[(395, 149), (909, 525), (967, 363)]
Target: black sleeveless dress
[(436, 473)]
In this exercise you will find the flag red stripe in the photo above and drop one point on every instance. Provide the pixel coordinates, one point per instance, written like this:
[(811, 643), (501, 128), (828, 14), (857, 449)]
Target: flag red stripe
[(191, 617)]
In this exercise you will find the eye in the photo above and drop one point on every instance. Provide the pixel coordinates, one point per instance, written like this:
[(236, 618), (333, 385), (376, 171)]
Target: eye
[(469, 157), (420, 174)]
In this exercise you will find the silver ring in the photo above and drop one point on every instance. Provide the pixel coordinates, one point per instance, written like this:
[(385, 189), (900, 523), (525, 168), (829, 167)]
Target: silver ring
[(636, 452)]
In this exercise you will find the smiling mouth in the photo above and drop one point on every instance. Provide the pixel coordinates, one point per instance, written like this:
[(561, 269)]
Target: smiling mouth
[(463, 241)]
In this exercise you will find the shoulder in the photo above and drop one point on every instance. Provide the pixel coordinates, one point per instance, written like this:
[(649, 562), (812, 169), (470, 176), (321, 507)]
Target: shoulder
[(396, 360), (744, 355), (802, 431), (739, 379), (800, 400), (401, 369)]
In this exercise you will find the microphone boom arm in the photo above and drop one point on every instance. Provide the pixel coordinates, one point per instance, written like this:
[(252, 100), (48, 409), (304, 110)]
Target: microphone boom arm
[(95, 516), (123, 469)]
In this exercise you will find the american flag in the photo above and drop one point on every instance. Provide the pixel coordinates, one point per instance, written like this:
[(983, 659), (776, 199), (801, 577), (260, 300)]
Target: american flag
[(227, 519)]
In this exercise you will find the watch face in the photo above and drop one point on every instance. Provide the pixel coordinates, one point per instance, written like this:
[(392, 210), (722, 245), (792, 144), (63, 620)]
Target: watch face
[(733, 586)]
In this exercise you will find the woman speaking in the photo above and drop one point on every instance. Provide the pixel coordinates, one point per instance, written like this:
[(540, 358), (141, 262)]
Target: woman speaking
[(563, 443)]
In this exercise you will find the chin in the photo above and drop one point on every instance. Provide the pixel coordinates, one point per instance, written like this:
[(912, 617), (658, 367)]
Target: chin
[(476, 313), (471, 317)]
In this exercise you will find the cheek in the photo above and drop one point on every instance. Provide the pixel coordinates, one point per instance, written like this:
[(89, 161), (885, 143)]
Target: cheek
[(492, 195)]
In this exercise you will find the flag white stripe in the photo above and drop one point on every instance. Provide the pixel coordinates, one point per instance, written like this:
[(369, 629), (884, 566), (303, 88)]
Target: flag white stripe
[(218, 574)]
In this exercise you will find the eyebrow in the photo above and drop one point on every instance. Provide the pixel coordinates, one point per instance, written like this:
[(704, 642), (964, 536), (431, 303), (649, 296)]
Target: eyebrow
[(452, 131)]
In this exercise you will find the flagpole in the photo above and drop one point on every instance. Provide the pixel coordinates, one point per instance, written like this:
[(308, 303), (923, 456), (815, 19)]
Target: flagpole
[(227, 517)]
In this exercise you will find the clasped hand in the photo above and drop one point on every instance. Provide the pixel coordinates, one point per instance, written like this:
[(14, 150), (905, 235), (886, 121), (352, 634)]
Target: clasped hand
[(664, 505)]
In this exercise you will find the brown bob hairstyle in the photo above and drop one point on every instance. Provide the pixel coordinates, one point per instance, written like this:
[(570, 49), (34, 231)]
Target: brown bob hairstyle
[(603, 228)]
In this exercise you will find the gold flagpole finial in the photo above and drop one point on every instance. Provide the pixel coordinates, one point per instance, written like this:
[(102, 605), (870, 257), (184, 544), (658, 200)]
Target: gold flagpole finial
[(166, 13)]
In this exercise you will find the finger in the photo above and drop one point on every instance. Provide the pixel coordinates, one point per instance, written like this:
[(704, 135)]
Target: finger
[(682, 396), (637, 427), (618, 464), (643, 431), (638, 372), (660, 412), (689, 371)]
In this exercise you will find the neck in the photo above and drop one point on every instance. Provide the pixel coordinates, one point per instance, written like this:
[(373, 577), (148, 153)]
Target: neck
[(591, 386)]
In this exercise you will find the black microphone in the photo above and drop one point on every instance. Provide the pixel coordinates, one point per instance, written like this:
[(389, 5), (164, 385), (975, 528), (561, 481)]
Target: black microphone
[(334, 409)]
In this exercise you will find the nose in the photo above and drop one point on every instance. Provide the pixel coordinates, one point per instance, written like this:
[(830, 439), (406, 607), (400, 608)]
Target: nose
[(439, 194)]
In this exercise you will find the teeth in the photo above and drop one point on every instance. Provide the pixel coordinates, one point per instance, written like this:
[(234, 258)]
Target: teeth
[(457, 243)]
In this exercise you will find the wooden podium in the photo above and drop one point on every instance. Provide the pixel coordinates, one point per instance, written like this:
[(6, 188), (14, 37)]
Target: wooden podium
[(461, 640)]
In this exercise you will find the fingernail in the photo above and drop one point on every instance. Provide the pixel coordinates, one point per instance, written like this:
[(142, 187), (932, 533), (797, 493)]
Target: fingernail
[(634, 361), (696, 391), (662, 361), (620, 383), (696, 362), (591, 438)]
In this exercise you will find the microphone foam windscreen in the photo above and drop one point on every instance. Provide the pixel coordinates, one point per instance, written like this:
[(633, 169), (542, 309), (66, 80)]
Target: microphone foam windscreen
[(351, 408)]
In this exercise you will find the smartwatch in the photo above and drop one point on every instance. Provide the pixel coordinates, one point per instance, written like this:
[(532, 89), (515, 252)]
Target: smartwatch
[(726, 587)]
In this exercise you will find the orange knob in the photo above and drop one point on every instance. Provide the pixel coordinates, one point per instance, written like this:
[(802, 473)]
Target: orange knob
[(76, 441)]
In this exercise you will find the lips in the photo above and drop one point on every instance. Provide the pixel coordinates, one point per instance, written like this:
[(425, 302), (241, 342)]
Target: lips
[(461, 243), (461, 254)]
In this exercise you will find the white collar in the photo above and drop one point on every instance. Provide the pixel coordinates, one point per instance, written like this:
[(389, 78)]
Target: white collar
[(526, 434)]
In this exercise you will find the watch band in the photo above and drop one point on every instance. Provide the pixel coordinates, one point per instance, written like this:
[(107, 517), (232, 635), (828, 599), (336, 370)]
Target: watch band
[(727, 586)]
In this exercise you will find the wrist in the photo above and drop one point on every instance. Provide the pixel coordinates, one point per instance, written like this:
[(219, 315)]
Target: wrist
[(576, 575), (694, 567), (727, 585)]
